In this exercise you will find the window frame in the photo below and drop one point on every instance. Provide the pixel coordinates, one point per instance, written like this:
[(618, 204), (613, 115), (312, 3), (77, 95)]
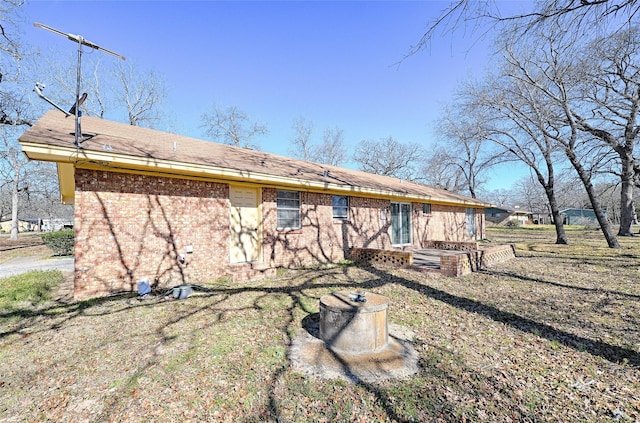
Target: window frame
[(344, 216), (280, 207), (426, 208), (401, 224), (470, 220)]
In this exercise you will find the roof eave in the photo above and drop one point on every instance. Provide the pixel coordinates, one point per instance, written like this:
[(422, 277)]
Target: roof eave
[(106, 160)]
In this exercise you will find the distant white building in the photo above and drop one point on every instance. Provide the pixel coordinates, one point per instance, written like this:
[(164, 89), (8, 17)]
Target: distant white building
[(24, 225), (52, 225)]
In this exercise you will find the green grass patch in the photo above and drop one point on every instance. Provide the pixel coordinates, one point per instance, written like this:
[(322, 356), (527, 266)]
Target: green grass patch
[(32, 287)]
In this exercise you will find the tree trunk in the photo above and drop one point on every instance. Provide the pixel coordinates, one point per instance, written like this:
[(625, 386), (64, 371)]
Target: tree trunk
[(561, 236), (548, 186), (626, 197), (612, 241), (14, 210)]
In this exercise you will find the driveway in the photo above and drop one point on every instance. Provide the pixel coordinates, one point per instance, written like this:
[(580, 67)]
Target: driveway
[(25, 264)]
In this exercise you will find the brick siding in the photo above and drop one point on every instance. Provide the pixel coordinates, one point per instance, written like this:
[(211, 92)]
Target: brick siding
[(471, 261), (444, 223), (131, 227), (321, 238)]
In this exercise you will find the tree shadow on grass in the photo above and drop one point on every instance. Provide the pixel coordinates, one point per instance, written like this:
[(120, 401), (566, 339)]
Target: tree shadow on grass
[(612, 353), (302, 289), (559, 284)]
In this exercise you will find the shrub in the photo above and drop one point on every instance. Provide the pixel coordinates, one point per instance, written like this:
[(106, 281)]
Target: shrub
[(512, 224), (60, 242)]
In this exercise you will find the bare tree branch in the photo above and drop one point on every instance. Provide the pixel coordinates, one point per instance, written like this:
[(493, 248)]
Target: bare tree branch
[(389, 157), (483, 16), (232, 126), (141, 93), (301, 145), (332, 150)]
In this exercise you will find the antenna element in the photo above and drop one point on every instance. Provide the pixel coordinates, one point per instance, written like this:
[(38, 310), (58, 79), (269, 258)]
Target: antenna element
[(78, 101), (78, 39)]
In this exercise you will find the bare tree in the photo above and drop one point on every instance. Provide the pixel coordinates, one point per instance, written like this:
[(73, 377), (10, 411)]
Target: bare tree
[(9, 40), (500, 196), (468, 148), (13, 105), (439, 170), (479, 17), (141, 93), (389, 157), (232, 126), (13, 171), (514, 119), (529, 194), (14, 110), (42, 196), (115, 89), (302, 146), (546, 65), (332, 150), (611, 87)]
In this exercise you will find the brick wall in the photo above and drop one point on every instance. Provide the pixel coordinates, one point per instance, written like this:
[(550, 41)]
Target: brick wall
[(321, 238), (471, 261), (392, 258), (456, 264), (496, 254), (131, 227), (444, 223), (450, 245)]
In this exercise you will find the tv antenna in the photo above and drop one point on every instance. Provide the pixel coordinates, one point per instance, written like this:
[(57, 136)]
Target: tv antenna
[(79, 100)]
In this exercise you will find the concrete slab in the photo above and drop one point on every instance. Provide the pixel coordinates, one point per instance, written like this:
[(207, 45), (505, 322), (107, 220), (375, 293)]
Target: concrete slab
[(21, 265)]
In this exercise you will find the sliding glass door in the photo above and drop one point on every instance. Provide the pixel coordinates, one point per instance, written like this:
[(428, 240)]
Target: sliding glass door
[(400, 223)]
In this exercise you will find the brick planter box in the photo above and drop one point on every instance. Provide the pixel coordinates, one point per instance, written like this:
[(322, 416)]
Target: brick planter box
[(472, 261), (384, 257), (451, 245)]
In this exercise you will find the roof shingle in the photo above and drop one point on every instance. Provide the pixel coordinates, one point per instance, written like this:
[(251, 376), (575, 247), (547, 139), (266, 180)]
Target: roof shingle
[(54, 130)]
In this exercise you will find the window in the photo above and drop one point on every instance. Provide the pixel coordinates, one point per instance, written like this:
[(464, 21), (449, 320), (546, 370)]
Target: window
[(471, 221), (340, 207), (288, 203), (426, 208)]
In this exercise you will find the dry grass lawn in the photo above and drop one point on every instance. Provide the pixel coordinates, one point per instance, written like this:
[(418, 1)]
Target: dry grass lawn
[(553, 335)]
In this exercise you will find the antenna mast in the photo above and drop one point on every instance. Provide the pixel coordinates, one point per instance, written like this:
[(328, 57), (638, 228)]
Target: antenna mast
[(81, 41)]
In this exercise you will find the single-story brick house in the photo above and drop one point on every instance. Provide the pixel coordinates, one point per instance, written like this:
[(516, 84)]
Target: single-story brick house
[(172, 209)]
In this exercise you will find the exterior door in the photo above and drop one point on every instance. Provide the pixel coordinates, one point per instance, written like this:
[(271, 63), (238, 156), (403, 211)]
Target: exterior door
[(400, 223), (244, 224)]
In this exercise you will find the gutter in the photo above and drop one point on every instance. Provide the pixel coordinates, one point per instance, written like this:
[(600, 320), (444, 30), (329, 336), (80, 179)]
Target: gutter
[(97, 160)]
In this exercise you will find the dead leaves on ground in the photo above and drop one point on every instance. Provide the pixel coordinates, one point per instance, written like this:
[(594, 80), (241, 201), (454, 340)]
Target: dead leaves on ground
[(534, 339)]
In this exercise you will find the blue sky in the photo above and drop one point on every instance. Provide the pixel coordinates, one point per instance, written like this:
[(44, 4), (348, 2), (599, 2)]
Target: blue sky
[(333, 63)]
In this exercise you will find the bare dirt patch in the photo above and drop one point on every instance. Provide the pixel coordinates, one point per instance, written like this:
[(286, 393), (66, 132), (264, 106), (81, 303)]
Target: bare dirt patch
[(26, 245), (23, 241)]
